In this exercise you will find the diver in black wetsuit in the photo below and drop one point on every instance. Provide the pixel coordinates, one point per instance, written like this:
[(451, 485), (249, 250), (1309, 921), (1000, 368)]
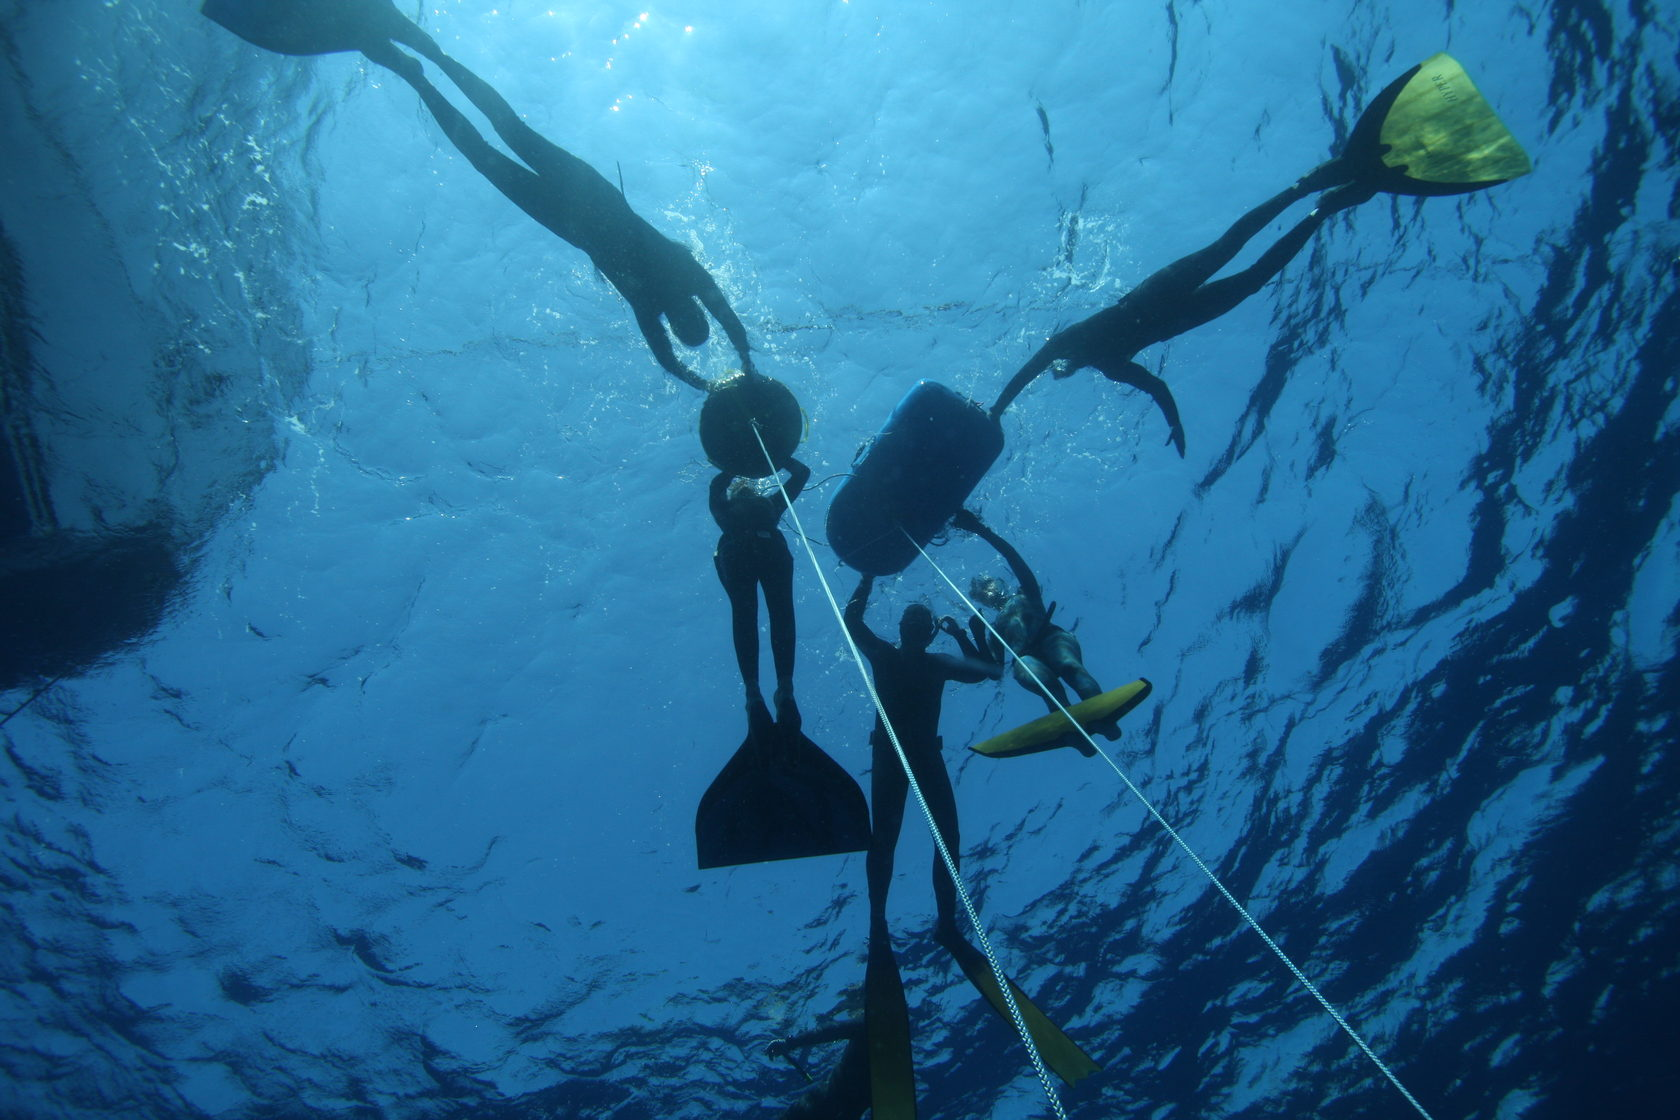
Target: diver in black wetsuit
[(910, 682), (658, 277), (1184, 295), (751, 554), (655, 275), (1042, 648)]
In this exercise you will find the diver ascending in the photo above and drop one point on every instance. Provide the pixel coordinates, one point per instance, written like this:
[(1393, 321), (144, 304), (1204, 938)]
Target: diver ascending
[(1042, 649), (660, 279), (911, 682), (1428, 133)]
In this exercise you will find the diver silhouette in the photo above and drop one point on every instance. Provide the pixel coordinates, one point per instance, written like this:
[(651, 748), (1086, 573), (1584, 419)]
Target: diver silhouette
[(660, 279), (911, 682), (1428, 133), (1042, 649), (1184, 295), (752, 555)]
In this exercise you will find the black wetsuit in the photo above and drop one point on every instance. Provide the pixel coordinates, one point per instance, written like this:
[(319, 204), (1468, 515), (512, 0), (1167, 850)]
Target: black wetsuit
[(911, 683), (751, 554), (1179, 298), (655, 275)]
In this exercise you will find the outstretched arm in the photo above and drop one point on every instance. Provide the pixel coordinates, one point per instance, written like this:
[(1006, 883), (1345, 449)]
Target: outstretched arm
[(866, 639), (648, 321), (973, 666), (853, 613), (967, 520), (1024, 376), (798, 475), (712, 296), (834, 1032)]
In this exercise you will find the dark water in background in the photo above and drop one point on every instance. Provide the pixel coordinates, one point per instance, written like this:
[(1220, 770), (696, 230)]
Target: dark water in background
[(390, 814)]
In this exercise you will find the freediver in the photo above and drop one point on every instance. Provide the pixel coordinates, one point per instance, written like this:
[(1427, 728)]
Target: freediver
[(752, 555), (1042, 649), (911, 682), (1428, 133), (1184, 295), (660, 279)]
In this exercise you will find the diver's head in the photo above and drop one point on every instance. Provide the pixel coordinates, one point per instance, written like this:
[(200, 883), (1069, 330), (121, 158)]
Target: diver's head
[(915, 626), (688, 321), (988, 591)]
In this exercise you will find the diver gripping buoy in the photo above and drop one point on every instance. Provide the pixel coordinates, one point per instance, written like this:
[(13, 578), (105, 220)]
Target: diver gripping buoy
[(912, 478), (734, 406)]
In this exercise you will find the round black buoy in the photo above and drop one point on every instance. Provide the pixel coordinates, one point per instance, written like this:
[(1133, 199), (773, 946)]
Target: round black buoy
[(727, 418)]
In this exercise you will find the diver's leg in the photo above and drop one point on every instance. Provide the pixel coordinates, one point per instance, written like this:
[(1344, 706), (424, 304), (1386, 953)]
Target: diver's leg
[(1212, 300), (518, 183), (403, 30), (777, 577), (935, 781), (1179, 279), (543, 156), (1061, 649), (1046, 686), (886, 1018), (742, 588), (1059, 1052), (887, 790)]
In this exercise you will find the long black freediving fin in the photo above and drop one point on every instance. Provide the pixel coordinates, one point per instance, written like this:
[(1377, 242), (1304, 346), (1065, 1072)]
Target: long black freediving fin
[(1431, 132), (305, 27), (784, 799), (886, 1015), (1061, 1053)]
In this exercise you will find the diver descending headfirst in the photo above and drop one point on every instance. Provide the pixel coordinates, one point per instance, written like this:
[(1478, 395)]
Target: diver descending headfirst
[(1429, 133), (660, 280)]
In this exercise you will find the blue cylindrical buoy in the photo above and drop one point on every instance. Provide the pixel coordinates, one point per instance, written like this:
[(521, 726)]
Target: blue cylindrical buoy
[(912, 478)]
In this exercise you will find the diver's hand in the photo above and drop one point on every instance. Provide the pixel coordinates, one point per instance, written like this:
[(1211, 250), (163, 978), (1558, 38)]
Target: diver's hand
[(948, 625), (777, 1049), (672, 294), (967, 522)]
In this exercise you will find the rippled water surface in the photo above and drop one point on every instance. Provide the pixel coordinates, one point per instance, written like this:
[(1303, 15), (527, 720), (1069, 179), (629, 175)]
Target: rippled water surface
[(390, 813)]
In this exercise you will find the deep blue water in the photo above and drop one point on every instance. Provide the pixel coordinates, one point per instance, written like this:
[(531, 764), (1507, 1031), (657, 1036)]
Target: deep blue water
[(388, 810)]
